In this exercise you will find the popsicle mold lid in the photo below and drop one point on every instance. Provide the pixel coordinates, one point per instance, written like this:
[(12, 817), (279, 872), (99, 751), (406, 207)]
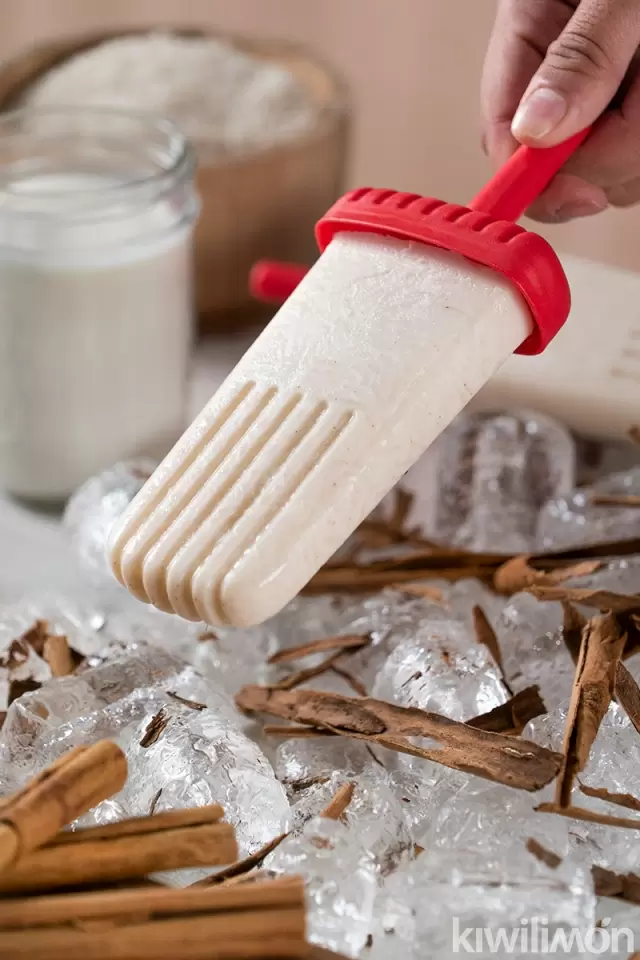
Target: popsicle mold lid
[(525, 258)]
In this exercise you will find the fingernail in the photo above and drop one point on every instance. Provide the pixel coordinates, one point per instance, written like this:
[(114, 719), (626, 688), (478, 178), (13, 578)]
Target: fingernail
[(538, 114), (580, 208)]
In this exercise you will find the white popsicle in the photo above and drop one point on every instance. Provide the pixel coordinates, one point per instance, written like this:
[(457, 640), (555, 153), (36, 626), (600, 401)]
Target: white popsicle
[(382, 343)]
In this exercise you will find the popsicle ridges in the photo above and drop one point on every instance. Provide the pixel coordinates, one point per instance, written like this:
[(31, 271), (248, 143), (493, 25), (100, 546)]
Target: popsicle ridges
[(186, 452), (215, 497)]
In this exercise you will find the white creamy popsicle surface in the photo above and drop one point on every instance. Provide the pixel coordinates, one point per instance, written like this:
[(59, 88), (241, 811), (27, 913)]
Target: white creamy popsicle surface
[(376, 351)]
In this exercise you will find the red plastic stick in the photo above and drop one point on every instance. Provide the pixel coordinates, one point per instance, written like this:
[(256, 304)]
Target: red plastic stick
[(505, 197), (273, 282), (523, 178)]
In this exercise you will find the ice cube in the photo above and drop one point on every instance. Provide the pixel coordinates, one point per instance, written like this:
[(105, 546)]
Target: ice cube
[(476, 872), (614, 763), (427, 907), (387, 618), (94, 508), (441, 669), (341, 882), (621, 575), (199, 759), (483, 482), (303, 760), (571, 519), (615, 757), (461, 596), (549, 729), (421, 787), (376, 813), (240, 656), (533, 649), (129, 622), (493, 820)]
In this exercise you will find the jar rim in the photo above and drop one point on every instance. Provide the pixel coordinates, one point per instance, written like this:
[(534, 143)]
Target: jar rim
[(178, 161)]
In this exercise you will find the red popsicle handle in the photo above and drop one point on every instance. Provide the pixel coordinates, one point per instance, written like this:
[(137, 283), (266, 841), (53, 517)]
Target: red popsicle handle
[(523, 178), (273, 282), (505, 197)]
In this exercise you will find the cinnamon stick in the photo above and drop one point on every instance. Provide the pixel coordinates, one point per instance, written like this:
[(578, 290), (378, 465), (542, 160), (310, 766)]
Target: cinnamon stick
[(305, 782), (615, 500), (34, 638), (589, 816), (294, 732), (513, 716), (493, 756), (630, 624), (124, 856), (364, 579), (356, 685), (628, 694), (137, 826), (619, 799), (603, 600), (517, 574), (302, 676), (403, 502), (260, 920), (622, 886), (244, 866), (184, 702), (58, 655), (602, 647), (448, 563), (548, 857), (424, 591), (573, 623), (155, 728), (487, 637), (19, 687), (339, 803), (352, 641), (64, 791), (144, 902)]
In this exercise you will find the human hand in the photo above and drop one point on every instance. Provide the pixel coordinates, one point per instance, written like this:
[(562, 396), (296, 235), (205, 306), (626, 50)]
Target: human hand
[(553, 67)]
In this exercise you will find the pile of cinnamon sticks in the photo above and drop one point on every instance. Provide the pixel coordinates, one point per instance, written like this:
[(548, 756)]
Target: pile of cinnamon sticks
[(87, 893), (488, 746)]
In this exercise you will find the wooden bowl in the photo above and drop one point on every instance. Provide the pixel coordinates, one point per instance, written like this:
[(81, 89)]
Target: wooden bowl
[(264, 204)]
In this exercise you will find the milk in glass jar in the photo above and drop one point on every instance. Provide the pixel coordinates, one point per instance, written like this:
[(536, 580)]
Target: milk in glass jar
[(97, 210)]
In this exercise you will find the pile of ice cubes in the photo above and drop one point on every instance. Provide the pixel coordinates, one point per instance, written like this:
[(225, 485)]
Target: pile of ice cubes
[(426, 862)]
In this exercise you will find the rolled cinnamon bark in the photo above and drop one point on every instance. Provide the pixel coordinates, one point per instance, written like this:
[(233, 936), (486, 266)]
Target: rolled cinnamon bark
[(64, 791)]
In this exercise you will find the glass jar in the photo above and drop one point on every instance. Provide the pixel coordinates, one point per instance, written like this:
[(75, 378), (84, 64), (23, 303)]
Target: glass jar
[(97, 210)]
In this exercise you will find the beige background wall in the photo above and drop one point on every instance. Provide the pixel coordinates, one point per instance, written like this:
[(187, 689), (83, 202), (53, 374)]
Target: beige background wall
[(413, 67)]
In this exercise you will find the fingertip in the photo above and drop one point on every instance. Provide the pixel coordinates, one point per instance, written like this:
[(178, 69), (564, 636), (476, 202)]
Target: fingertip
[(539, 114)]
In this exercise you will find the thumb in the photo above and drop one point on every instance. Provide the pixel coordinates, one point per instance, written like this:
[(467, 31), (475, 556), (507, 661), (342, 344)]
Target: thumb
[(581, 72)]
